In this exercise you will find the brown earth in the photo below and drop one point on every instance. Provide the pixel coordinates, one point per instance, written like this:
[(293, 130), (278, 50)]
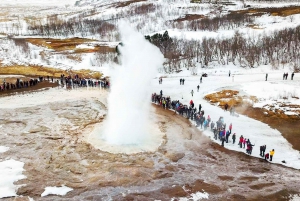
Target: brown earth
[(289, 126), (69, 44), (35, 71), (280, 11), (190, 17)]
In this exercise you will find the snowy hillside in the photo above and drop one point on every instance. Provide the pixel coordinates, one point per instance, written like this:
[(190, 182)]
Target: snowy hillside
[(98, 20)]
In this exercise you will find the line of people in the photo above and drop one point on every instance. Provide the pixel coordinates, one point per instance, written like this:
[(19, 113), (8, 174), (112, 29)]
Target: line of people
[(285, 76), (218, 128), (18, 84), (77, 81)]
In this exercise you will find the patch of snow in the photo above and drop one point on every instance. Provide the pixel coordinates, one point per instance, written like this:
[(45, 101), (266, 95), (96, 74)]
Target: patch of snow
[(295, 198), (2, 148), (30, 199), (84, 46), (290, 113), (193, 197), (10, 172), (63, 190)]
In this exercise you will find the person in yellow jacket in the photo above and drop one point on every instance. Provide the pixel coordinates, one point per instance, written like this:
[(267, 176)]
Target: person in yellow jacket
[(271, 154)]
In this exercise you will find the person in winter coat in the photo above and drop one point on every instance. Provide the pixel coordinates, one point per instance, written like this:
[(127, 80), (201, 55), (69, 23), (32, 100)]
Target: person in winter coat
[(260, 150), (191, 102), (192, 92), (267, 156), (212, 125), (227, 136), (272, 154), (198, 88), (205, 123), (244, 142), (226, 106), (220, 134), (164, 104), (249, 147), (223, 140), (263, 150), (230, 127), (201, 121), (215, 133), (200, 108), (241, 141), (233, 138), (208, 119)]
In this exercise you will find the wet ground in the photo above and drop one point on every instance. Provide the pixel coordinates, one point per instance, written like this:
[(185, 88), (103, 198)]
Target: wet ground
[(50, 140)]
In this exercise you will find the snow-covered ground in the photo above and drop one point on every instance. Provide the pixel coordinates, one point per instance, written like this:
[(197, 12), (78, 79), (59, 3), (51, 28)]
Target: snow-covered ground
[(10, 172), (37, 2), (218, 79), (148, 23)]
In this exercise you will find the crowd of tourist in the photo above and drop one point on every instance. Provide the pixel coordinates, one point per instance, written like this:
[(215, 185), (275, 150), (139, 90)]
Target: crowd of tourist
[(218, 128), (76, 81), (18, 84), (68, 81)]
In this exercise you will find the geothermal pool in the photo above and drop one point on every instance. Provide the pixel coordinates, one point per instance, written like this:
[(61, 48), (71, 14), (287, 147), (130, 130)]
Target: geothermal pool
[(150, 143)]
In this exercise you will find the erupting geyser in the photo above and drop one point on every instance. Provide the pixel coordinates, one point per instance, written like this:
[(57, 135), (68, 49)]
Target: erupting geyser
[(128, 120)]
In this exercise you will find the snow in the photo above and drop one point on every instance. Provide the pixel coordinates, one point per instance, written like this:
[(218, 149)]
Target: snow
[(3, 148), (63, 190), (84, 46), (148, 24), (253, 82), (295, 198), (37, 2), (10, 172), (194, 197), (280, 95)]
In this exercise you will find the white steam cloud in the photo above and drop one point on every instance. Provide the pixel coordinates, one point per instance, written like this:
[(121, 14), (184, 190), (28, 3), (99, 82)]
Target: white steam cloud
[(129, 99)]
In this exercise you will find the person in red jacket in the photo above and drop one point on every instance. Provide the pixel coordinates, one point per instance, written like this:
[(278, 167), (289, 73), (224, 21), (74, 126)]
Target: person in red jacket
[(241, 141), (267, 156), (230, 128), (191, 102)]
